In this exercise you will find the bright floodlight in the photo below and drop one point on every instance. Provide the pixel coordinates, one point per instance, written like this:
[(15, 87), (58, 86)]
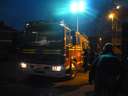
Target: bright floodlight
[(74, 8), (77, 7)]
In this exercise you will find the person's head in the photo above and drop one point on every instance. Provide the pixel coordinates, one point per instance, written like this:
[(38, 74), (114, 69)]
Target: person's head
[(108, 47)]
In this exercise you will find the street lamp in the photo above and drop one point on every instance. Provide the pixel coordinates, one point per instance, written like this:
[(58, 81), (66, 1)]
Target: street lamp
[(118, 7), (112, 16), (77, 7)]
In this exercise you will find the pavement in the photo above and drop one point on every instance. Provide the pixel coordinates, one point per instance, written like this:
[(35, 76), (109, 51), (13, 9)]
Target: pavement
[(42, 87), (76, 87), (87, 90)]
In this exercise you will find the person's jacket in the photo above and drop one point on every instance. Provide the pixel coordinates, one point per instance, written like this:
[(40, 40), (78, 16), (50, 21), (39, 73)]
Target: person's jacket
[(107, 65)]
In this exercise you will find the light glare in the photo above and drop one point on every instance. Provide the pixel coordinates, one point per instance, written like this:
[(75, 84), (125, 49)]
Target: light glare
[(111, 16), (56, 68), (100, 39), (118, 7), (81, 6), (77, 7), (74, 7), (23, 65)]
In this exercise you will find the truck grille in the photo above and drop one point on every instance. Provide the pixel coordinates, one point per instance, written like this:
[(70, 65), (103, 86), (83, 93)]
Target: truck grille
[(40, 68)]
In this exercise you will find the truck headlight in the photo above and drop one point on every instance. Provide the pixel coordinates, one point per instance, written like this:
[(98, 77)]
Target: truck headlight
[(56, 68), (23, 65)]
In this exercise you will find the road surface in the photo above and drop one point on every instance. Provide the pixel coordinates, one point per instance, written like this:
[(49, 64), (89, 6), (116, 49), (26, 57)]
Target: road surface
[(40, 86)]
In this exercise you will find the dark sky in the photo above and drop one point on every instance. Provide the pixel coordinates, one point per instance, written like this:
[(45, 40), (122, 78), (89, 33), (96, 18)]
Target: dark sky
[(17, 12)]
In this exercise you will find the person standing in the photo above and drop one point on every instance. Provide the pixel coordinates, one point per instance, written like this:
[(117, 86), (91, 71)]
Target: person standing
[(86, 59), (91, 70), (107, 72)]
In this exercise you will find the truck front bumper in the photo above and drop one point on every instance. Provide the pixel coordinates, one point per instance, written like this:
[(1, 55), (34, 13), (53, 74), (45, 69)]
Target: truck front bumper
[(43, 70)]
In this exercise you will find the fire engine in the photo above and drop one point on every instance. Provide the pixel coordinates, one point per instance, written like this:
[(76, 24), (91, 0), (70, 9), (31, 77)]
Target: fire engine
[(50, 49)]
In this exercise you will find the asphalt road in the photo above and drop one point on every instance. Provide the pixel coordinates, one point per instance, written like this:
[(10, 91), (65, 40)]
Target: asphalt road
[(40, 86)]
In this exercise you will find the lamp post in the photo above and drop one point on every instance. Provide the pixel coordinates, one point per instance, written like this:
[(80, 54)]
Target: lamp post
[(77, 7), (77, 24), (112, 16)]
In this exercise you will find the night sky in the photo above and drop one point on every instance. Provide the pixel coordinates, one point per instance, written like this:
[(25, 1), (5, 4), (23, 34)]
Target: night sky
[(16, 12)]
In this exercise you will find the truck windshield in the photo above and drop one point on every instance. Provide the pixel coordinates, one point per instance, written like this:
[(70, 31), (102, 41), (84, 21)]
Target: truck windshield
[(46, 35), (43, 43), (47, 39)]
